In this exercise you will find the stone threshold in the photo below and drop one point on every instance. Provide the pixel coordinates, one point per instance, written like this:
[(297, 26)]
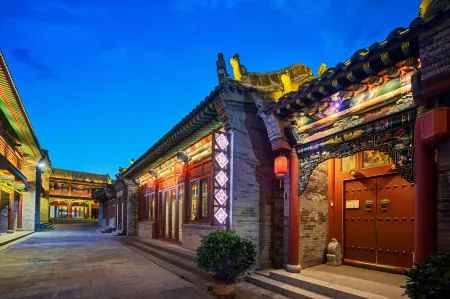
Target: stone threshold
[(6, 238), (331, 282)]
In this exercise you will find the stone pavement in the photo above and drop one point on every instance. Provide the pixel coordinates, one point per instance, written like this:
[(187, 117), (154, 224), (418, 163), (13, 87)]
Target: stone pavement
[(74, 261)]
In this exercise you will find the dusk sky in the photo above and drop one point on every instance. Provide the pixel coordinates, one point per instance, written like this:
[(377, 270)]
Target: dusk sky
[(103, 80)]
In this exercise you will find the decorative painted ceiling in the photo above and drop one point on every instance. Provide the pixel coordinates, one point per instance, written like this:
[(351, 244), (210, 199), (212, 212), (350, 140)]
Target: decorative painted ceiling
[(12, 107)]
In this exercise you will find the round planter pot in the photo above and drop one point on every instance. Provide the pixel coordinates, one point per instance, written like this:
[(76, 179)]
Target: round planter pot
[(223, 289)]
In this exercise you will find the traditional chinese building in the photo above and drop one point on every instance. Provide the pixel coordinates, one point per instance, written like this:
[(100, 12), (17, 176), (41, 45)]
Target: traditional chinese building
[(20, 154), (72, 194), (355, 157), (366, 144)]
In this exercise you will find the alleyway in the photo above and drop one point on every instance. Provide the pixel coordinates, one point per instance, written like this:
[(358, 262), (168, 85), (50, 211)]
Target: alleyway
[(75, 261)]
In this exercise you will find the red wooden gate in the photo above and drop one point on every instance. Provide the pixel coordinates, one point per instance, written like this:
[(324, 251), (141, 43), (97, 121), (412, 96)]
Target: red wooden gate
[(379, 221)]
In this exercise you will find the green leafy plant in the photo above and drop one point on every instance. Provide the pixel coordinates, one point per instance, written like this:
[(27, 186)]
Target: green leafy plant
[(226, 254), (430, 278)]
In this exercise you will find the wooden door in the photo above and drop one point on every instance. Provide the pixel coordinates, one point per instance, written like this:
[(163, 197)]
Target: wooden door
[(360, 220), (395, 222)]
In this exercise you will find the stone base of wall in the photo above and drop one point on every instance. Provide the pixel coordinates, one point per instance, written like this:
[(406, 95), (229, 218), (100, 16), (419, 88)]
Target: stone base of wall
[(193, 233), (146, 229)]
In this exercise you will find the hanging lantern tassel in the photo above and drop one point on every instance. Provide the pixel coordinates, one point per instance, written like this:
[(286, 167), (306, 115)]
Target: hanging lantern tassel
[(280, 167)]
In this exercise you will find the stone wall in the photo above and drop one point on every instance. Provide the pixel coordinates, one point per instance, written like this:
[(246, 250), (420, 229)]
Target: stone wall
[(443, 198), (131, 201), (193, 233), (28, 205), (28, 209), (146, 229), (314, 218), (253, 178)]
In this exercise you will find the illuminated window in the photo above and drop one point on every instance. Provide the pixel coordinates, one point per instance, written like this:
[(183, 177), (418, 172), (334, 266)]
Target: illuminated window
[(194, 200), (204, 199), (199, 199)]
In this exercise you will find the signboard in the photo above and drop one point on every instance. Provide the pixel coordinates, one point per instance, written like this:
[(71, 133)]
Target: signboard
[(352, 204)]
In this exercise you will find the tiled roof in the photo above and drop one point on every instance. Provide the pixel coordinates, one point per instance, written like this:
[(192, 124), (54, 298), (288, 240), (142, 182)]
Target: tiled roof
[(202, 114), (400, 44), (79, 176)]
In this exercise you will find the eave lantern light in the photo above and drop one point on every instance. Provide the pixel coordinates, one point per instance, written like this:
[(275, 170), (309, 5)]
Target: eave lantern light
[(178, 168), (151, 182), (280, 167)]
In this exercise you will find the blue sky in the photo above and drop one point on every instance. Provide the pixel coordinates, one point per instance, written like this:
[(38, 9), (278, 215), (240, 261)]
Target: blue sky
[(103, 80)]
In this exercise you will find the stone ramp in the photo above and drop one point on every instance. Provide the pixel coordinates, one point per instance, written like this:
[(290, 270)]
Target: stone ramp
[(331, 282)]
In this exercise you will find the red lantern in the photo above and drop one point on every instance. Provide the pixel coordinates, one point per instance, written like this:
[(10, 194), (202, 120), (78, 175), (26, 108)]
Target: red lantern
[(150, 182), (280, 167), (178, 168)]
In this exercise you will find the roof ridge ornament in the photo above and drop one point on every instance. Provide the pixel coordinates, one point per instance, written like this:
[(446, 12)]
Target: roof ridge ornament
[(429, 8)]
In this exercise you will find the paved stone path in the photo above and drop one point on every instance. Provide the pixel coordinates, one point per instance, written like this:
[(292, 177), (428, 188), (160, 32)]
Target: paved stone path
[(75, 261)]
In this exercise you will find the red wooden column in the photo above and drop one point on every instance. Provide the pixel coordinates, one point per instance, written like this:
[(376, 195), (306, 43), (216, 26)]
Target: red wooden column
[(90, 211), (425, 202), (69, 210), (19, 213), (11, 213), (293, 265)]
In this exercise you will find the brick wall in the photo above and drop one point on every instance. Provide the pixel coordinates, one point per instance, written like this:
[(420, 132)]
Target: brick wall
[(253, 178), (435, 50), (314, 218), (443, 198)]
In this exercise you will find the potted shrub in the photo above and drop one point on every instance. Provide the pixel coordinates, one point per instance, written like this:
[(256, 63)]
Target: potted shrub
[(429, 279), (229, 257)]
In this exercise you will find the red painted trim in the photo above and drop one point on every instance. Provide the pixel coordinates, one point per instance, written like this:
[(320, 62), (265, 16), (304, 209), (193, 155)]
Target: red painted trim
[(294, 212), (425, 201)]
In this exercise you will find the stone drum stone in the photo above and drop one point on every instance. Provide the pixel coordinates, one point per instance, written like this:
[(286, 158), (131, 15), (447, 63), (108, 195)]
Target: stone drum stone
[(334, 253)]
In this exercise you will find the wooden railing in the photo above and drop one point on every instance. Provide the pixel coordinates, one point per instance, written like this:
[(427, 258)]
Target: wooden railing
[(10, 154), (69, 193)]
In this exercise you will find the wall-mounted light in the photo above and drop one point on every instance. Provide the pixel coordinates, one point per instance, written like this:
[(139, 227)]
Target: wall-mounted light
[(137, 181), (41, 165)]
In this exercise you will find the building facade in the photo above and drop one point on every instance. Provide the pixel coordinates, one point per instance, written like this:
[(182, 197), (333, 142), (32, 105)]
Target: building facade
[(20, 154), (366, 145), (72, 194)]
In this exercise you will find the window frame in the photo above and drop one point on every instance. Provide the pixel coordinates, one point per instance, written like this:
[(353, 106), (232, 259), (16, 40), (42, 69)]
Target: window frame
[(198, 208)]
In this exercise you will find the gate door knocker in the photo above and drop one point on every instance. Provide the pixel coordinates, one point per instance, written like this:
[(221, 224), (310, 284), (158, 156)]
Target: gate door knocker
[(385, 203), (368, 204)]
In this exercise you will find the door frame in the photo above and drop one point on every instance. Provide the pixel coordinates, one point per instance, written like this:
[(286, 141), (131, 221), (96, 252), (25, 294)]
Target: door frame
[(162, 211)]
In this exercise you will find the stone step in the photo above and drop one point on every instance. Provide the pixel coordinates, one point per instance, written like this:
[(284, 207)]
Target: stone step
[(283, 288), (322, 287), (179, 261), (118, 234), (201, 280), (169, 248)]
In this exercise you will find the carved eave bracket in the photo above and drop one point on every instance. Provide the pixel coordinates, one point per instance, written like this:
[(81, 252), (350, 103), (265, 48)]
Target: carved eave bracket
[(276, 132)]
